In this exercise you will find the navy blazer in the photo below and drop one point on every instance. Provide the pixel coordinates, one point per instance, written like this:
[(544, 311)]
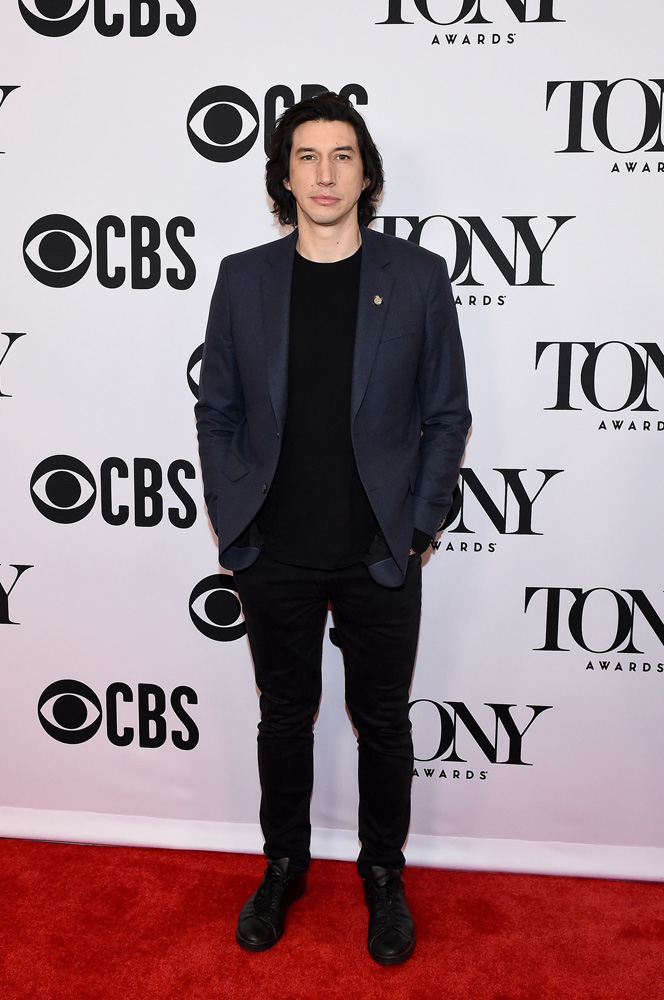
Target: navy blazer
[(409, 413)]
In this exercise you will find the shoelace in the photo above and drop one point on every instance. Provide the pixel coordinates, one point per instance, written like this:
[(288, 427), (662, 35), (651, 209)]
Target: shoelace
[(269, 893), (387, 898)]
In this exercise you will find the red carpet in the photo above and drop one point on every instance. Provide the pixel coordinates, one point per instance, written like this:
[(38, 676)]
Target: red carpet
[(111, 923)]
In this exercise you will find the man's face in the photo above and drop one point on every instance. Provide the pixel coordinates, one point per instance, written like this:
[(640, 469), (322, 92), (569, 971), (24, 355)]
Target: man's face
[(326, 176)]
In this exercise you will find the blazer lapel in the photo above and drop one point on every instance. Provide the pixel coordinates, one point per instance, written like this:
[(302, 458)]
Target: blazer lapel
[(376, 281), (276, 280)]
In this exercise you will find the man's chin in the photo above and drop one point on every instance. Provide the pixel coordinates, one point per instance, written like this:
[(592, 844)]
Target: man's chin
[(328, 217)]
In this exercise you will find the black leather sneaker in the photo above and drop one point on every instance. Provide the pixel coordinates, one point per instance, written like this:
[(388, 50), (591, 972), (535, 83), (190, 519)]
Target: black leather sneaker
[(391, 936), (263, 916)]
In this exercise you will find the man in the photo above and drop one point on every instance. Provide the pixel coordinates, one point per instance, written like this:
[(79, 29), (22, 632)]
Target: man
[(332, 419)]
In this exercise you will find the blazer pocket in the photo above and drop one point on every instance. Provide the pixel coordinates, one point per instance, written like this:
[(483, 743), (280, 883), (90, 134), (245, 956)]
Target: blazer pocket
[(397, 334), (397, 328), (234, 468)]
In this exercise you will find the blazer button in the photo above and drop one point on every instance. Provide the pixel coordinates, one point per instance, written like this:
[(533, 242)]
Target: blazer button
[(264, 487)]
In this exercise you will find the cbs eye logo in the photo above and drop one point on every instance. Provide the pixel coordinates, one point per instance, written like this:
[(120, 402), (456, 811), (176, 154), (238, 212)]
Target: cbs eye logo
[(60, 17), (57, 250), (223, 122), (53, 17), (69, 711), (215, 608), (63, 489)]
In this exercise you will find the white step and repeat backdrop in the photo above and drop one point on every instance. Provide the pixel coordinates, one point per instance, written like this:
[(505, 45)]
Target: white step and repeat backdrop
[(523, 140)]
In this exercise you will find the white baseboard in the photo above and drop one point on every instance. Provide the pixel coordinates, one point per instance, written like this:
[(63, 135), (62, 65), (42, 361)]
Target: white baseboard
[(466, 853)]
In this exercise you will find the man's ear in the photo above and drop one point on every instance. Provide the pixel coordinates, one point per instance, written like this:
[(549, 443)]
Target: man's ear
[(286, 183)]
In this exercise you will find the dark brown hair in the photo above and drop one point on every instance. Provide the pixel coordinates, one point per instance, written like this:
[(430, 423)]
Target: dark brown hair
[(327, 107)]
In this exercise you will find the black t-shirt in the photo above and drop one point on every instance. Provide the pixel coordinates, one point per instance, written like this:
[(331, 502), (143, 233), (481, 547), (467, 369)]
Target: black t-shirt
[(317, 513)]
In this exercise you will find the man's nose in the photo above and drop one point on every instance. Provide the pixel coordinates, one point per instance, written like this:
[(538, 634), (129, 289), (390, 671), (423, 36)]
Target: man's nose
[(325, 175)]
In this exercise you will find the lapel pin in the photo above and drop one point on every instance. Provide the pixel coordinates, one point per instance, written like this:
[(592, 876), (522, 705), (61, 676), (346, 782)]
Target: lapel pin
[(377, 300)]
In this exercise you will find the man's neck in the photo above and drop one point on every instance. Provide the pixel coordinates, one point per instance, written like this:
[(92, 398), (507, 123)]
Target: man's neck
[(326, 244)]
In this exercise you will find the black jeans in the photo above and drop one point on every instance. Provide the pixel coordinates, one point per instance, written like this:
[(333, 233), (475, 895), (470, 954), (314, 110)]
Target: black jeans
[(285, 609)]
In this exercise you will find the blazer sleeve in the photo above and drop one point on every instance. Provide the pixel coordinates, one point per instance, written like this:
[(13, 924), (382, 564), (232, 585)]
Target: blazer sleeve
[(220, 407), (443, 400)]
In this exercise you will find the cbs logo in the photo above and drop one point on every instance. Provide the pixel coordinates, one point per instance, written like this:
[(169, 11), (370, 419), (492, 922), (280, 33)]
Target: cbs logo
[(56, 18), (64, 490), (194, 370), (70, 712), (215, 608), (223, 122), (58, 251)]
